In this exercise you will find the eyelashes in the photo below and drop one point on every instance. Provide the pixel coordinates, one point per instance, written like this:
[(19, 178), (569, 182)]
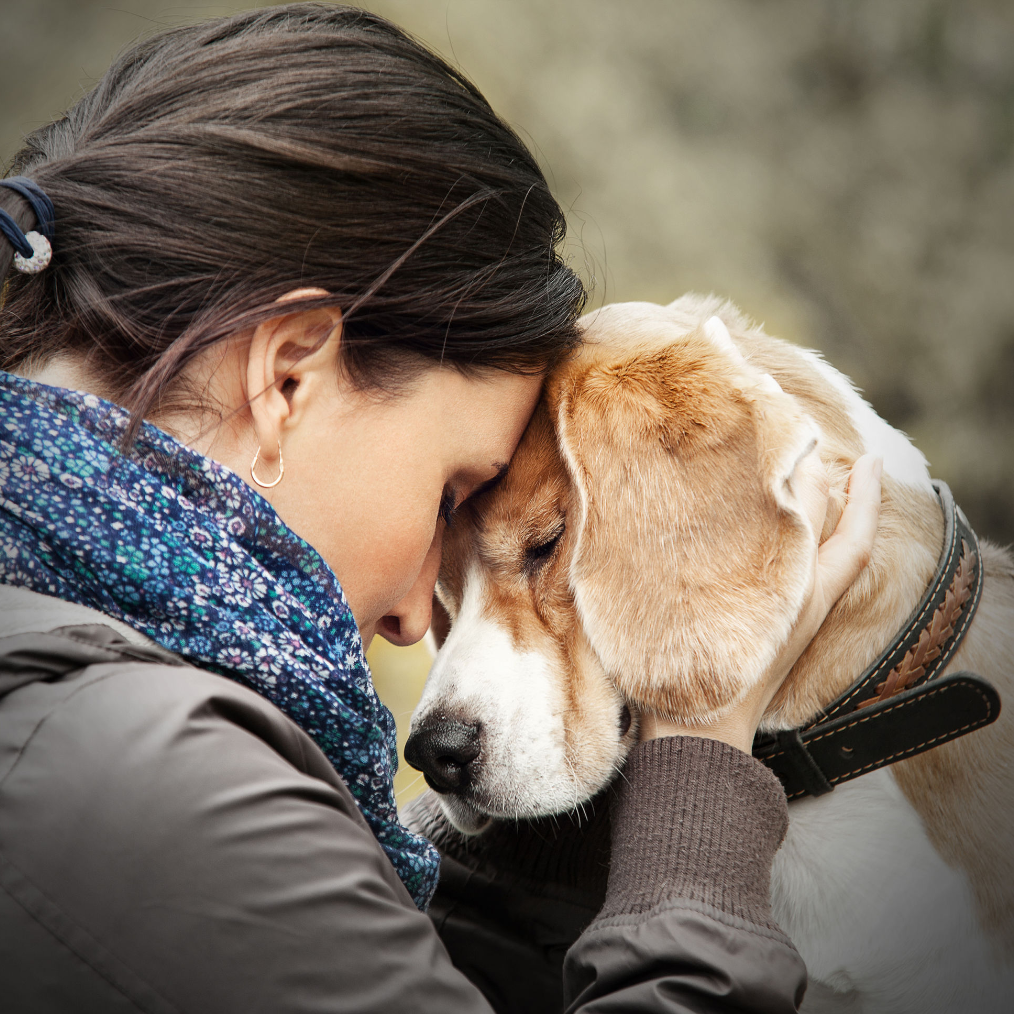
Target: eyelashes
[(536, 556), (447, 507)]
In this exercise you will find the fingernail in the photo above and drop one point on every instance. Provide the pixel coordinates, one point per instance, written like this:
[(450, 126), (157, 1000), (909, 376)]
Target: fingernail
[(878, 468)]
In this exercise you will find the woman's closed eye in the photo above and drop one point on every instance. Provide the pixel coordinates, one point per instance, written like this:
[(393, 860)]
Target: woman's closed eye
[(449, 502), (448, 506)]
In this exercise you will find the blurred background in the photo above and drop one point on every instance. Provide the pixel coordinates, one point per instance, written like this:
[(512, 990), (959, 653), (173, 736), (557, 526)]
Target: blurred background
[(842, 169)]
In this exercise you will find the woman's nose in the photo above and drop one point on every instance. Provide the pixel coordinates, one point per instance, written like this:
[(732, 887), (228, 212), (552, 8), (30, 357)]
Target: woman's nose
[(409, 620)]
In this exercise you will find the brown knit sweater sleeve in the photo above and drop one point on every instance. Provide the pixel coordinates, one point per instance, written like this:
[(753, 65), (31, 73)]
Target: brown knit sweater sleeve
[(699, 820), (686, 924)]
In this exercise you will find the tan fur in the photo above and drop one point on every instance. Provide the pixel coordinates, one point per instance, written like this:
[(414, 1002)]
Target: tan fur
[(535, 604), (691, 551), (962, 790), (684, 560)]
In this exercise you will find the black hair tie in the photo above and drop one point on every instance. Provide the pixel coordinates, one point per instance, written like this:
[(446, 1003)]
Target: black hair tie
[(32, 254)]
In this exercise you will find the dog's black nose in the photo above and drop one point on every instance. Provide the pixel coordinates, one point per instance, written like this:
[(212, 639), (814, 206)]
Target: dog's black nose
[(443, 750)]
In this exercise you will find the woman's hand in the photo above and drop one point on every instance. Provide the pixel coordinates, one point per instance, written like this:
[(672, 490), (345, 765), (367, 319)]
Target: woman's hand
[(839, 562)]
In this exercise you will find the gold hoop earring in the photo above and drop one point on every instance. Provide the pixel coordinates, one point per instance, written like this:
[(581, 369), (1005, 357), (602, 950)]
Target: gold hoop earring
[(281, 468)]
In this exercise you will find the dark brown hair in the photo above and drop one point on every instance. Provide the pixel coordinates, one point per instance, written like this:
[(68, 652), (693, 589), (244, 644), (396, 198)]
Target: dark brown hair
[(217, 166)]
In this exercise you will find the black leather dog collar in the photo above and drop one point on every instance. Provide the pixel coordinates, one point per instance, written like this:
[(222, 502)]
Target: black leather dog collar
[(900, 706)]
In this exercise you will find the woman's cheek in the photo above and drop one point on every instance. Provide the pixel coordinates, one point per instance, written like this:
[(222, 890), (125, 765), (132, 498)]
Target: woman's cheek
[(396, 564)]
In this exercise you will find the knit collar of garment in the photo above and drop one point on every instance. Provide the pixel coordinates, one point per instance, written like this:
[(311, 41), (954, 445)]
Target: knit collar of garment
[(179, 548)]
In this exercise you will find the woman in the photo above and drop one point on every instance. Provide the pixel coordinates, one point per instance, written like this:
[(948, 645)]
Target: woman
[(303, 290)]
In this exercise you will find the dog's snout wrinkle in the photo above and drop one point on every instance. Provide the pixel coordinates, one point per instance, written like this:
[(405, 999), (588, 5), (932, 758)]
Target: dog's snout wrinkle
[(444, 750)]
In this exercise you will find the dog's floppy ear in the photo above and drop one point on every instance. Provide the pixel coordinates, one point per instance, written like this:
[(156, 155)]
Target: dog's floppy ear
[(692, 556)]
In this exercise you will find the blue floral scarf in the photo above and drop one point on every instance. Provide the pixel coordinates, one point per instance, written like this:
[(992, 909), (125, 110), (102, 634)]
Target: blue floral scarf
[(181, 549)]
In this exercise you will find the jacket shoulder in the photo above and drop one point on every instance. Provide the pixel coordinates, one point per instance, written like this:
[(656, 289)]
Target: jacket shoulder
[(179, 835), (138, 706)]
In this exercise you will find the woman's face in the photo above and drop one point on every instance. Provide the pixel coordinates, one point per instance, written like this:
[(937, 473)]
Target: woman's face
[(370, 480), (369, 477)]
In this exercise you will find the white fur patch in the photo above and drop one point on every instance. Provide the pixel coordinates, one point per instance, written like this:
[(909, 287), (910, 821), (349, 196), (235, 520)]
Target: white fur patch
[(718, 333), (479, 676), (882, 922), (902, 459)]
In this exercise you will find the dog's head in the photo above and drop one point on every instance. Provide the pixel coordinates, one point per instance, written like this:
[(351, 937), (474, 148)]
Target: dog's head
[(646, 549)]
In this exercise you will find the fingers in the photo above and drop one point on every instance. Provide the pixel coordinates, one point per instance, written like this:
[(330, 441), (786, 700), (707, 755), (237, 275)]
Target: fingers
[(844, 555)]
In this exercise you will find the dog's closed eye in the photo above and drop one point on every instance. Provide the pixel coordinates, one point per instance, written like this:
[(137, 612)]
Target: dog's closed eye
[(537, 555)]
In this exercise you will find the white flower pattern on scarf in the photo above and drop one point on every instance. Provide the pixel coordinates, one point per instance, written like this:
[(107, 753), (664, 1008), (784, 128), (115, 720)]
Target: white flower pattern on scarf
[(178, 547)]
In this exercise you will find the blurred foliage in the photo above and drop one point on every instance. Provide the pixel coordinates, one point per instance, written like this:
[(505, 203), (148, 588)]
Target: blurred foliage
[(843, 169), (400, 674)]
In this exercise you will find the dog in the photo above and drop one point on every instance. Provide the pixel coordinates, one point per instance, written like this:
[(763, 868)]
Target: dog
[(646, 550)]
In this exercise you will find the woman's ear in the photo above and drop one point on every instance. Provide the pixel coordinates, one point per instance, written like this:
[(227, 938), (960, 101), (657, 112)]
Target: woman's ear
[(692, 557), (292, 359)]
